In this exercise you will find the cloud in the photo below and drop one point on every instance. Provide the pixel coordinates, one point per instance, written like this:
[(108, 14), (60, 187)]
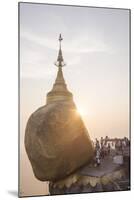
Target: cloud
[(78, 44), (34, 62)]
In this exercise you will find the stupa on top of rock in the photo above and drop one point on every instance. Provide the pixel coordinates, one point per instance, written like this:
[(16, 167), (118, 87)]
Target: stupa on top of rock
[(59, 91), (56, 140)]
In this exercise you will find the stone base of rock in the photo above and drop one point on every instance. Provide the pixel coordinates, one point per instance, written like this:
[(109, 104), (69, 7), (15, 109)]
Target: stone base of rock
[(76, 183)]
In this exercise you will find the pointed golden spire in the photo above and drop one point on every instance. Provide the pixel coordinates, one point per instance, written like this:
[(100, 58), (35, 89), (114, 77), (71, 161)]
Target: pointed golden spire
[(60, 60), (59, 91)]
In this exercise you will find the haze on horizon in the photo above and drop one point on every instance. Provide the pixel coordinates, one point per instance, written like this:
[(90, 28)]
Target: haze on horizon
[(96, 49)]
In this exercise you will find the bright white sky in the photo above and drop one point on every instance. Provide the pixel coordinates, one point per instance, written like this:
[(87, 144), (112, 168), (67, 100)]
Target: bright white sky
[(96, 50)]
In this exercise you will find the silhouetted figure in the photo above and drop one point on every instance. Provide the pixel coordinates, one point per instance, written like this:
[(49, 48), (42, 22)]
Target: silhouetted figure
[(109, 148), (98, 157)]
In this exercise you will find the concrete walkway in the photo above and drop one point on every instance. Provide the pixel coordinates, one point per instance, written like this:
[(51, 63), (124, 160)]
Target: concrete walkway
[(106, 166)]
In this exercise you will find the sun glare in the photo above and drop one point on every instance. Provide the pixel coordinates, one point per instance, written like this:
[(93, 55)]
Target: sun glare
[(81, 111)]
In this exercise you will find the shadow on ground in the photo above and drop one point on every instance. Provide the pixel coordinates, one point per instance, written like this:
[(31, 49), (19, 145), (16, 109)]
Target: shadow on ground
[(13, 193)]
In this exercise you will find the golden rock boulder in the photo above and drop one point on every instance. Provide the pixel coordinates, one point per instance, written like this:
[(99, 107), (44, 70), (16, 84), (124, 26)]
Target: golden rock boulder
[(56, 141)]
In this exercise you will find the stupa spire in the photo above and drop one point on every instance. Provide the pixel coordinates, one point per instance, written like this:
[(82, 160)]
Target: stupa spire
[(60, 60), (60, 63), (59, 91)]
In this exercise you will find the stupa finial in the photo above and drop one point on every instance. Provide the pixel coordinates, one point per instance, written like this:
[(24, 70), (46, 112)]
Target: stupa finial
[(60, 60), (60, 39)]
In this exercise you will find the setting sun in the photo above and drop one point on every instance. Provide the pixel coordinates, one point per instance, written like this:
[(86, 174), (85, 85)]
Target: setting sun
[(82, 111)]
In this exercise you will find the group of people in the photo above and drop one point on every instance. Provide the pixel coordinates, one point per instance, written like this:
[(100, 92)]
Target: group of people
[(120, 145), (104, 147), (101, 150)]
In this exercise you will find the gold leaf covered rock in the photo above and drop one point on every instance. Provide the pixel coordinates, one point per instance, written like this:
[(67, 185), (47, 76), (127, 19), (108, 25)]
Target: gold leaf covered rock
[(56, 141)]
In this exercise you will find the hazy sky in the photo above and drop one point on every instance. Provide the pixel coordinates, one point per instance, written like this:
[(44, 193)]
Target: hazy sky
[(96, 50)]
